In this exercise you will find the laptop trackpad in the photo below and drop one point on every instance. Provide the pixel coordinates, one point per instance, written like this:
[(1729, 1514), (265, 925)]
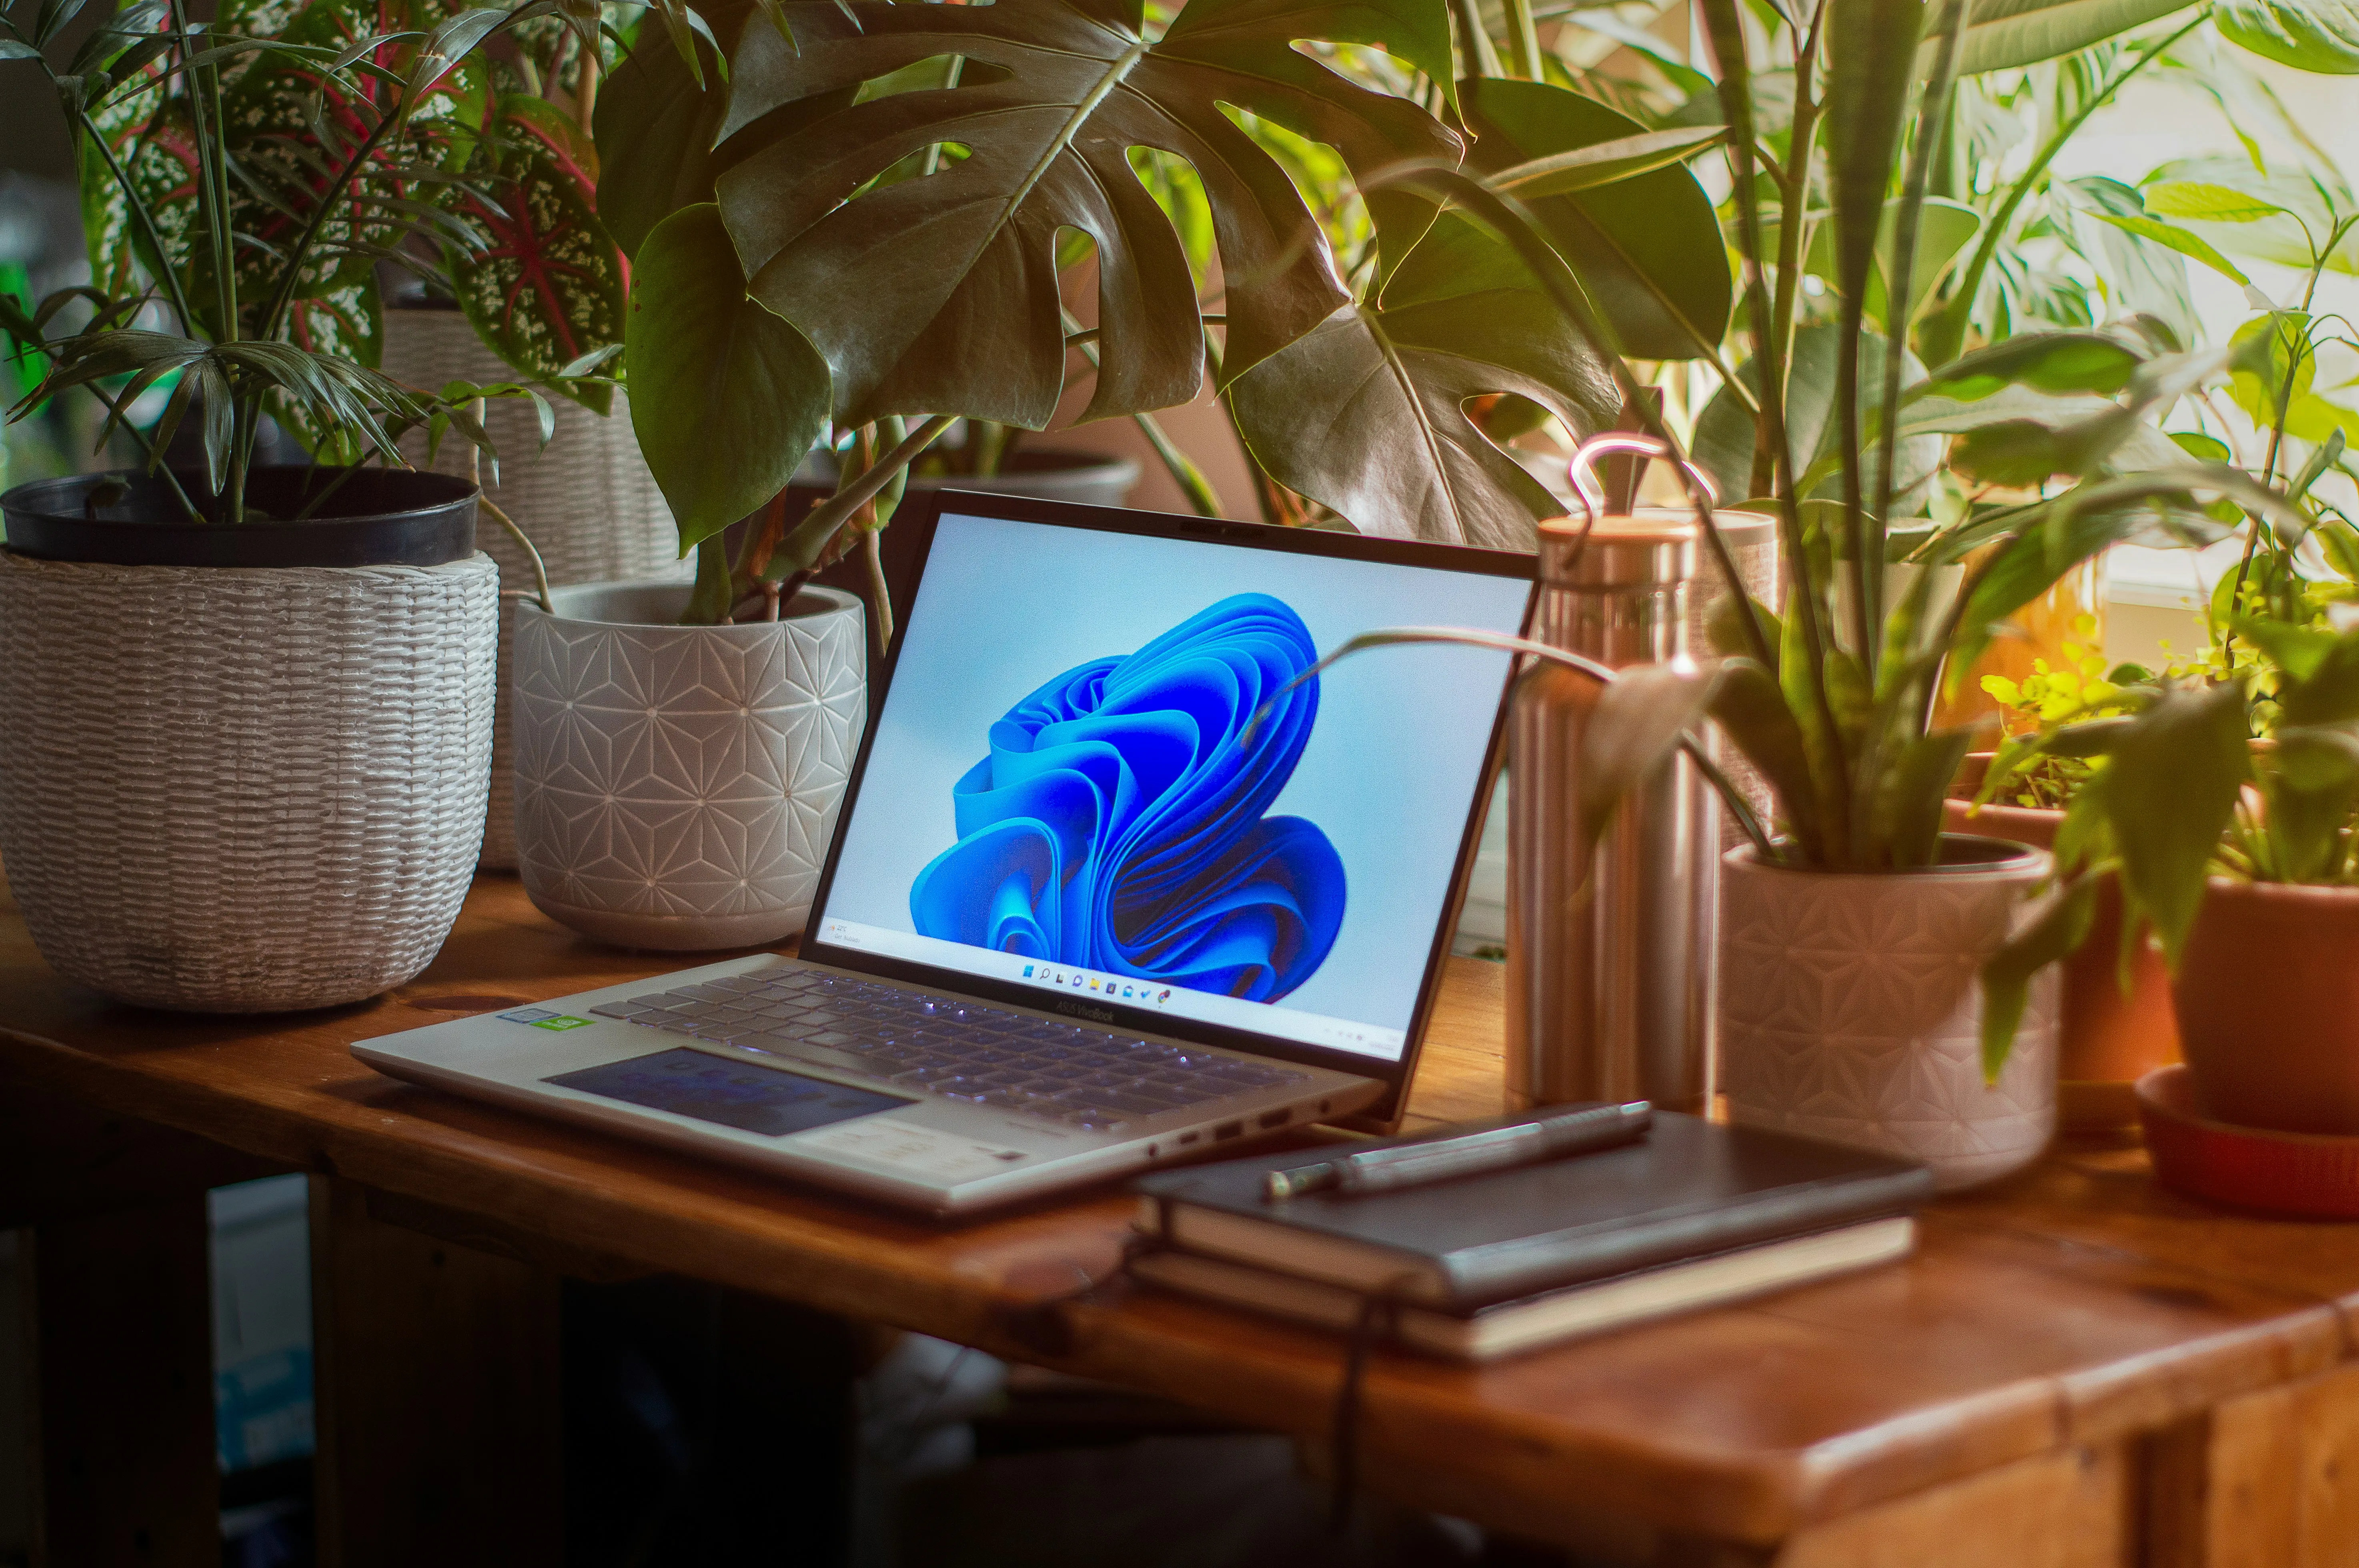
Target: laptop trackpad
[(765, 1100)]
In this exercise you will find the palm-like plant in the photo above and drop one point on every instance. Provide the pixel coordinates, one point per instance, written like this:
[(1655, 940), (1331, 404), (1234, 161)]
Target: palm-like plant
[(247, 186), (1831, 695), (1833, 698)]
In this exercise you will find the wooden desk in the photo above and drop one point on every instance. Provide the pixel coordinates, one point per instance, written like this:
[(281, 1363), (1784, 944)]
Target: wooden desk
[(2076, 1369)]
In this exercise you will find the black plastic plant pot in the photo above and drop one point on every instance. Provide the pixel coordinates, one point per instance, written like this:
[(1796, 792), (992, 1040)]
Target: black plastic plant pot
[(371, 517)]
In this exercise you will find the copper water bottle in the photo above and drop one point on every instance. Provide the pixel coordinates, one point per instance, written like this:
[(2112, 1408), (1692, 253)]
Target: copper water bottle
[(1607, 972)]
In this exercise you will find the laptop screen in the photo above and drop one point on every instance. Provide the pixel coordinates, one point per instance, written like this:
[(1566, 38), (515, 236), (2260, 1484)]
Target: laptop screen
[(1061, 793)]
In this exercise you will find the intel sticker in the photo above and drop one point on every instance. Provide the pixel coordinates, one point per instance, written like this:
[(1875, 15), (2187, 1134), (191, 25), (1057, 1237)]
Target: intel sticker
[(542, 1018)]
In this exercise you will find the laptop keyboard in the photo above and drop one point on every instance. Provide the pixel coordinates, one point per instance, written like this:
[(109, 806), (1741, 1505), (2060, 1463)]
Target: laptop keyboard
[(1097, 1079)]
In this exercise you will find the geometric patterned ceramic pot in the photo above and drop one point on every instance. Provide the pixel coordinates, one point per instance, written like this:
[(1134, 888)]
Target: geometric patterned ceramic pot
[(677, 786), (1851, 1010)]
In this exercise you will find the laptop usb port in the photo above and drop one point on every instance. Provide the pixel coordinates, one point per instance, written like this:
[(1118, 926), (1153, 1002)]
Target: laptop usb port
[(1227, 1129), (1278, 1117)]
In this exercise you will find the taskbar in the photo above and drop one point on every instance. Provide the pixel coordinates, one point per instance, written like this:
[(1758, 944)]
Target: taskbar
[(1126, 991)]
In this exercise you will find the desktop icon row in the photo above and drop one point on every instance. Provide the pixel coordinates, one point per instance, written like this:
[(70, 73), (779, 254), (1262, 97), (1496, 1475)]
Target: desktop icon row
[(1079, 979)]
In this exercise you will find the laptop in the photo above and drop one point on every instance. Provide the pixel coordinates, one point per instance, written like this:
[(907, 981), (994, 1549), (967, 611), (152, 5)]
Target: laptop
[(1075, 921)]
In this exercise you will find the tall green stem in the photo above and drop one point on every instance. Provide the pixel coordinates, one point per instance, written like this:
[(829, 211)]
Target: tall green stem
[(114, 405), (2284, 412), (1899, 291), (803, 545), (212, 190), (1177, 463), (145, 218), (709, 600), (1202, 498), (1726, 30), (1480, 51), (1523, 38), (1793, 232), (1945, 333)]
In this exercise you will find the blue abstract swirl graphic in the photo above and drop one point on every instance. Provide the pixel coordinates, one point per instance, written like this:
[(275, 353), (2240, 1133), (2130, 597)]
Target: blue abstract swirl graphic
[(1117, 824)]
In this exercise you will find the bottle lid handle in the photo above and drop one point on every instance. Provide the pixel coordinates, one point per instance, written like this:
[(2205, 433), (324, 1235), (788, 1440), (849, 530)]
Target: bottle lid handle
[(1582, 472)]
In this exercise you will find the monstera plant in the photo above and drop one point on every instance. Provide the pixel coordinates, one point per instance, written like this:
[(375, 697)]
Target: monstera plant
[(908, 192)]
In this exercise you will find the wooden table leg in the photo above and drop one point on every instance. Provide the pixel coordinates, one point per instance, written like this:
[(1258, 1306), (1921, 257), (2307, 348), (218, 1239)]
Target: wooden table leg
[(2268, 1480), (438, 1374), (122, 1406), (2071, 1508)]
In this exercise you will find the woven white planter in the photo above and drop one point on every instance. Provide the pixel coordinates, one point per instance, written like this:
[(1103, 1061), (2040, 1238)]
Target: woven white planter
[(587, 502), (230, 790), (677, 786), (1851, 1010)]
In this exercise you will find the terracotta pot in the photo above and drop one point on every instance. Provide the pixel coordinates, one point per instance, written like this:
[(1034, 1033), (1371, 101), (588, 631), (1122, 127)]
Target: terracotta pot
[(1851, 1008), (2268, 1005), (2108, 1039)]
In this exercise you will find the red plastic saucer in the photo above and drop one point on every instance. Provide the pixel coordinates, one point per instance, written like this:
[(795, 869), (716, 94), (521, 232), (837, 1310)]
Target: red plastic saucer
[(2307, 1174)]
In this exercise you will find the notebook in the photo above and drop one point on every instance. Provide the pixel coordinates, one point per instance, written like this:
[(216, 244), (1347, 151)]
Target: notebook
[(1507, 1328), (1691, 1190)]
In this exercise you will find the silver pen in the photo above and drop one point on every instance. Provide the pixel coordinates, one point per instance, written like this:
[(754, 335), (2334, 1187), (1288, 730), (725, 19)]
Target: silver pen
[(1549, 1133)]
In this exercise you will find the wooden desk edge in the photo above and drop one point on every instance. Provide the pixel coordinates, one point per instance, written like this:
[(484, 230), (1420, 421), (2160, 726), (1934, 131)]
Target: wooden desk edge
[(1761, 1497)]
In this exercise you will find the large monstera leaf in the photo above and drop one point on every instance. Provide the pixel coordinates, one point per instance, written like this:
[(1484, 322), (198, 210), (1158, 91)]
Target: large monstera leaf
[(1647, 250), (657, 123), (1368, 414), (548, 287), (941, 293)]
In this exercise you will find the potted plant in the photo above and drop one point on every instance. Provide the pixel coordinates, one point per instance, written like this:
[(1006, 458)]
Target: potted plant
[(253, 703), (2223, 799), (682, 748), (1853, 936), (732, 388), (2115, 1021), (2240, 856)]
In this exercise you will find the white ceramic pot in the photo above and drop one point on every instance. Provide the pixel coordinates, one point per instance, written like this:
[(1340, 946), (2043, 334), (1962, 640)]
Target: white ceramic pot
[(1851, 1010), (244, 790), (677, 786), (586, 501)]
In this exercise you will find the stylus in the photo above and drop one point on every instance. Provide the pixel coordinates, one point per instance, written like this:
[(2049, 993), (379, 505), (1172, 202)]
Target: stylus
[(1545, 1135)]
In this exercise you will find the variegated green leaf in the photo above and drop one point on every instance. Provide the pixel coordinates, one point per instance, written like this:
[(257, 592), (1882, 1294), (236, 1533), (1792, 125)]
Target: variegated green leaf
[(550, 286)]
